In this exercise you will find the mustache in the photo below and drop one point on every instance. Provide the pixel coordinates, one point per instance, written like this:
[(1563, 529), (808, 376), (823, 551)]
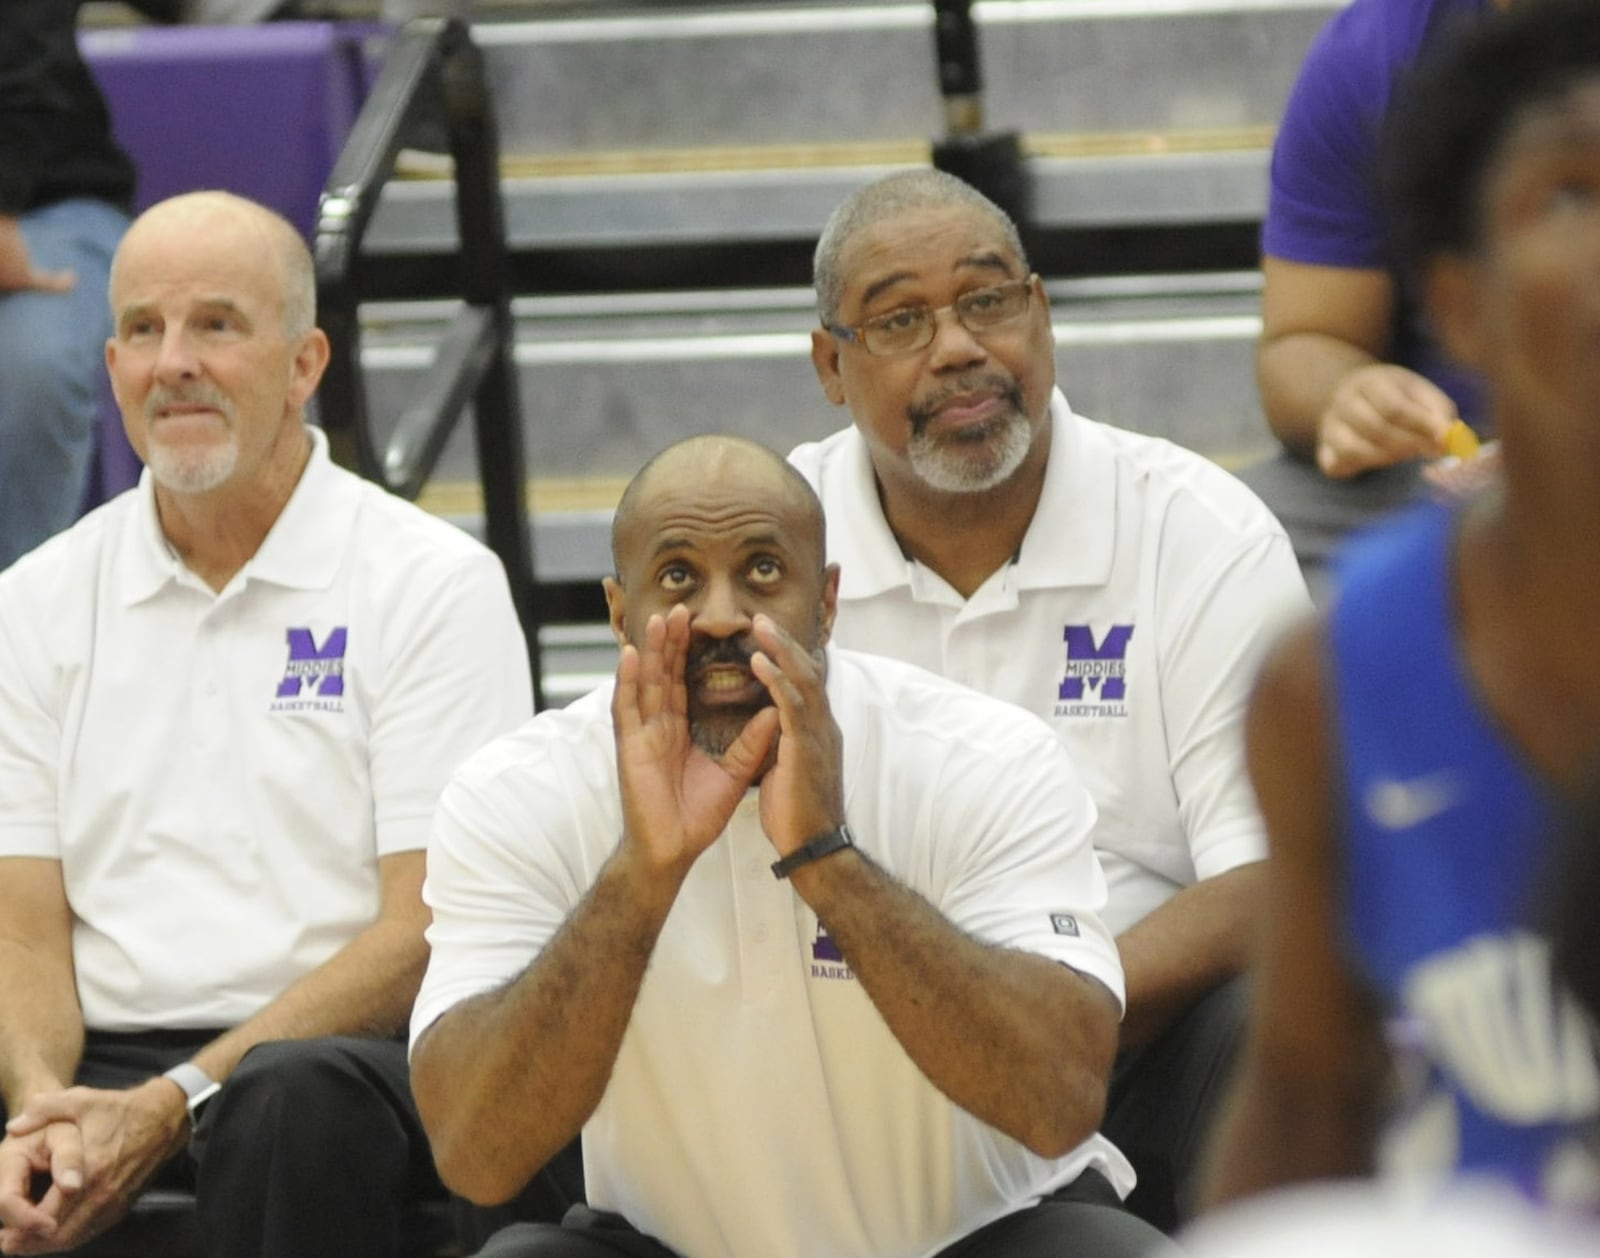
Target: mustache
[(924, 409), (198, 394), (711, 652)]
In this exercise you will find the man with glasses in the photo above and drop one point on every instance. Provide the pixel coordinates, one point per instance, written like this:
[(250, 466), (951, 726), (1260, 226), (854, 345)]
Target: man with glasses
[(1117, 585)]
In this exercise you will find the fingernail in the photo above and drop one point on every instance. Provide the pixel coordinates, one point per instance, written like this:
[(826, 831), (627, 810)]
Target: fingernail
[(71, 1179)]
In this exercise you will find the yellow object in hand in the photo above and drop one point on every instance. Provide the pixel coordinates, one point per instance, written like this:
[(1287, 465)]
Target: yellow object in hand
[(1460, 442)]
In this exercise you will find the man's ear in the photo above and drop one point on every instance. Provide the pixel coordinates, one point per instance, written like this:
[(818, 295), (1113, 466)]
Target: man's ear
[(830, 602), (310, 361), (825, 360), (616, 605), (1450, 288)]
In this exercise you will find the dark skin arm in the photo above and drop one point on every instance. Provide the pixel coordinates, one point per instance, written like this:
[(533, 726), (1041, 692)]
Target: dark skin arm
[(1305, 1103), (506, 1079), (1191, 945), (956, 1005)]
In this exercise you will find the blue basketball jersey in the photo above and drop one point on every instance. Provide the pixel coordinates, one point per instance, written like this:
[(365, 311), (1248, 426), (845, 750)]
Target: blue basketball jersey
[(1445, 833)]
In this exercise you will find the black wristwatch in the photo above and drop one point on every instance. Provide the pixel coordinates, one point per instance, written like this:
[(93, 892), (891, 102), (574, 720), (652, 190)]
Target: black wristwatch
[(823, 845)]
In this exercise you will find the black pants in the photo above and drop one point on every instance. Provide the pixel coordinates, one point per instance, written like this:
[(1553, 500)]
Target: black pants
[(1164, 1098), (1082, 1220), (313, 1148)]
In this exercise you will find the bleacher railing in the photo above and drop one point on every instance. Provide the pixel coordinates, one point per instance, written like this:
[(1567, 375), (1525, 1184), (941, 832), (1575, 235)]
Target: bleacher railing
[(432, 63)]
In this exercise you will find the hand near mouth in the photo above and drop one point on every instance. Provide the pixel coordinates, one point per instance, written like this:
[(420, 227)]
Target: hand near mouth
[(802, 794), (676, 799)]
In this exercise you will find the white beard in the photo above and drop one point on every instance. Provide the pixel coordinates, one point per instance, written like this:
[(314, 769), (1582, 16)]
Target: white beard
[(971, 467), (193, 471)]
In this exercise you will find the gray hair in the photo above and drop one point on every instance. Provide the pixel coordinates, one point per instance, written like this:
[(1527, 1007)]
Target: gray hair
[(887, 198)]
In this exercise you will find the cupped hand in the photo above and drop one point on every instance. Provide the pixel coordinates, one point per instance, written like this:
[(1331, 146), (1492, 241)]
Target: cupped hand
[(676, 799), (802, 794)]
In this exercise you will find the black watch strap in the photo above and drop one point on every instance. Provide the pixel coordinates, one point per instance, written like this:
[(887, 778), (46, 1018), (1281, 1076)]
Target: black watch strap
[(823, 845)]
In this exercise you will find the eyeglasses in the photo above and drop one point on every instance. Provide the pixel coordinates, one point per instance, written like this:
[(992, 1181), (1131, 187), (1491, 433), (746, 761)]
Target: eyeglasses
[(911, 328)]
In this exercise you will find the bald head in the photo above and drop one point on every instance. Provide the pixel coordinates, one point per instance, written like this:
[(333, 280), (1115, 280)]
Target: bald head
[(261, 233), (721, 532), (720, 464)]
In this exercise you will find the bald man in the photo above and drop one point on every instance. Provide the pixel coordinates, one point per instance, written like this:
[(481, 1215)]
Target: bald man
[(228, 701), (805, 942)]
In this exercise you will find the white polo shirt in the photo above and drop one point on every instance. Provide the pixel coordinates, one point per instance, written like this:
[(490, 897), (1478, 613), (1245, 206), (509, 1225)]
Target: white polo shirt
[(1147, 589), (759, 1104), (218, 773)]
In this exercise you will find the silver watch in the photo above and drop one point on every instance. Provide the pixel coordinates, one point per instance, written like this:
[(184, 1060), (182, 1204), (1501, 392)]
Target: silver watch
[(198, 1087)]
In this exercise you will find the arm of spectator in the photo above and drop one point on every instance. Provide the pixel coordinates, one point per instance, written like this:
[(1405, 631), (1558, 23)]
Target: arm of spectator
[(115, 1139), (504, 1080), (17, 271), (1016, 1039), (1305, 1100), (1192, 944), (1328, 393), (366, 988), (72, 1158), (459, 678), (41, 1038)]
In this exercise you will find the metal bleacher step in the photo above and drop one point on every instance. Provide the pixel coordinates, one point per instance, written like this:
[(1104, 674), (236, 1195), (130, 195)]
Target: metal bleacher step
[(635, 132), (607, 381)]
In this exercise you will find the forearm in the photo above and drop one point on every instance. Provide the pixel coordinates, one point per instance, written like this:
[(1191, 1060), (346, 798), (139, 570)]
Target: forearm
[(1297, 374), (1192, 944), (1015, 1039), (41, 1030), (366, 988), (506, 1079)]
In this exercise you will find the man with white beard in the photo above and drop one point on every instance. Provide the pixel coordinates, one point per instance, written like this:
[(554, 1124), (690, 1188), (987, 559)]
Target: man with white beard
[(1120, 587), (229, 699)]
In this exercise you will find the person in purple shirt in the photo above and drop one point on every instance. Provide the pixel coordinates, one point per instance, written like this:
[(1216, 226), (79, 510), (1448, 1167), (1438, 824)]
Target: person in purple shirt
[(1353, 382), (1417, 750)]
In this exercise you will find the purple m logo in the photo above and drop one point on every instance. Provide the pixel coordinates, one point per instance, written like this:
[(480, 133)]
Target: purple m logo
[(1103, 666), (309, 664)]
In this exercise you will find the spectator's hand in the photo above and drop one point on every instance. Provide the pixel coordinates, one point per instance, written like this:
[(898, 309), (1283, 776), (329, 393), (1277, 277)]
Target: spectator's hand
[(107, 1142), (802, 795), (17, 271), (1381, 415), (29, 1217), (676, 799)]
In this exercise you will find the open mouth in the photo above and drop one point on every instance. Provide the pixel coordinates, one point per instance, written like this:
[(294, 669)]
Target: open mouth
[(727, 685)]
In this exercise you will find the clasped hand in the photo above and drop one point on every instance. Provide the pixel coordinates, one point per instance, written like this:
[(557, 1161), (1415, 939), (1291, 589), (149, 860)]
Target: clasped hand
[(676, 798), (95, 1148)]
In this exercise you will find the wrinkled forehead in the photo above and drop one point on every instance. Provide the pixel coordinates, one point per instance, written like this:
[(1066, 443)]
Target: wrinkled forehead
[(196, 243), (718, 505), (926, 243)]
